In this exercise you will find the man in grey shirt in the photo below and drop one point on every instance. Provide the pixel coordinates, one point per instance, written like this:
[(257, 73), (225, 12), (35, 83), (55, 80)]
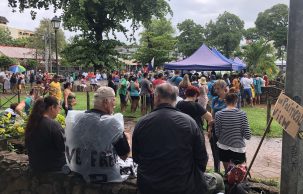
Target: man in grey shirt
[(146, 90)]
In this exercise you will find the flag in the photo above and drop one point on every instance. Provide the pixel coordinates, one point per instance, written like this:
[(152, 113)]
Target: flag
[(151, 64)]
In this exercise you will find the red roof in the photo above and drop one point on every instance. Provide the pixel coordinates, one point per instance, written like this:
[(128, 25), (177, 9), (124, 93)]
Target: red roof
[(19, 52)]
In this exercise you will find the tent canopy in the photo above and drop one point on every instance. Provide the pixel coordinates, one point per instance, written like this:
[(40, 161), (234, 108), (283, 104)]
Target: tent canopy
[(202, 59), (240, 62), (236, 66)]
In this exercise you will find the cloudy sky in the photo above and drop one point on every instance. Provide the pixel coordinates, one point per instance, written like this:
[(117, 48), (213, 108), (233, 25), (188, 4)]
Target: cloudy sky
[(201, 11)]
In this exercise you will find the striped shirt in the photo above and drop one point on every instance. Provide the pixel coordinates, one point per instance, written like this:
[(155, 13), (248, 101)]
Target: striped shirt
[(231, 128)]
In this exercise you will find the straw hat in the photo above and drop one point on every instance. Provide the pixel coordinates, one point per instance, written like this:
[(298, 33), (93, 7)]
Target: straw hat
[(202, 80)]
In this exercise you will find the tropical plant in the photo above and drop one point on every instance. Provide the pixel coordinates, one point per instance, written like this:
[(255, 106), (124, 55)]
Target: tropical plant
[(260, 58)]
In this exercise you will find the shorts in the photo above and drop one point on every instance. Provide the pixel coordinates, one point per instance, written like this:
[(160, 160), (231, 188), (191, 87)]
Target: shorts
[(148, 99), (247, 93), (122, 99), (228, 155), (135, 97)]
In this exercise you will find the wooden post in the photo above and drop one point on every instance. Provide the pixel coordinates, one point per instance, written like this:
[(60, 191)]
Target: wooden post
[(268, 101), (87, 100), (292, 149)]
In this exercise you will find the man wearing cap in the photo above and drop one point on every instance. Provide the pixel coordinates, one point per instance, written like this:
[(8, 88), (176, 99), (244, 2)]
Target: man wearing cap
[(170, 151), (98, 137)]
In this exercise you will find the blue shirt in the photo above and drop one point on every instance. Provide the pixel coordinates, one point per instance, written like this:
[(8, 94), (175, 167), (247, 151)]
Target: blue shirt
[(217, 104)]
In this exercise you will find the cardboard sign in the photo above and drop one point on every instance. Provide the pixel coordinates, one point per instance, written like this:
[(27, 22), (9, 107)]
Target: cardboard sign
[(288, 114)]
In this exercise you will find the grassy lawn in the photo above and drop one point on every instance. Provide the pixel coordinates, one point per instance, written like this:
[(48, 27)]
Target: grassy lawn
[(257, 121), (256, 115)]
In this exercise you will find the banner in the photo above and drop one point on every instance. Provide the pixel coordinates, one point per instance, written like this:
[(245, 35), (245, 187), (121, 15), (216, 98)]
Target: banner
[(288, 114)]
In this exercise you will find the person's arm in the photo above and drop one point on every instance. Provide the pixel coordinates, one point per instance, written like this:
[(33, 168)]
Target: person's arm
[(122, 147), (65, 98), (137, 86), (207, 116)]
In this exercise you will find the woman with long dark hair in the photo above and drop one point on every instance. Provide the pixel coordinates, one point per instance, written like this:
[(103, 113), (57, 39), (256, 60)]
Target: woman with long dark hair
[(44, 137)]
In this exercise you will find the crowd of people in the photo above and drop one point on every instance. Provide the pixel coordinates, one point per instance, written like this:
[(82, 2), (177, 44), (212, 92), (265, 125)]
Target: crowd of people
[(168, 142)]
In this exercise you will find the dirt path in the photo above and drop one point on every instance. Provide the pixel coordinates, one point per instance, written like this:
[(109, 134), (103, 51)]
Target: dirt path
[(268, 160), (267, 163)]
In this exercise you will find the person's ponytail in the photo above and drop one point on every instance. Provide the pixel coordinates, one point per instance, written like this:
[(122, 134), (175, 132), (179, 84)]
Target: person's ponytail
[(40, 107)]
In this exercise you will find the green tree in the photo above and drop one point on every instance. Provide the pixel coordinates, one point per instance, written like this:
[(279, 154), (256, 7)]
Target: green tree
[(6, 39), (251, 34), (225, 34), (5, 61), (96, 20), (31, 63), (191, 37), (156, 42), (272, 24), (77, 51), (45, 35), (5, 36), (260, 58)]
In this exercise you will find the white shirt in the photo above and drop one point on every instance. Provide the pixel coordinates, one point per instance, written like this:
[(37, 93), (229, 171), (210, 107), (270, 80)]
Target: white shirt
[(246, 82), (98, 76)]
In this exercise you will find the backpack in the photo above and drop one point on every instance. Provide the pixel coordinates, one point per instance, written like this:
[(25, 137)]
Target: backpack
[(236, 173)]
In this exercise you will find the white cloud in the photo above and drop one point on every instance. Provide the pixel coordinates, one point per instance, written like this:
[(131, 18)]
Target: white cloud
[(201, 11)]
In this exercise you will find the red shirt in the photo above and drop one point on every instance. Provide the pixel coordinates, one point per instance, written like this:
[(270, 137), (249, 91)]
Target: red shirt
[(158, 82), (266, 80)]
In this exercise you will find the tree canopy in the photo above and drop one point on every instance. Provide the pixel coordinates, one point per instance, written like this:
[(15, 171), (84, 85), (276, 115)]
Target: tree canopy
[(272, 24), (226, 33), (6, 39), (191, 37), (96, 20), (6, 61), (45, 33), (156, 42)]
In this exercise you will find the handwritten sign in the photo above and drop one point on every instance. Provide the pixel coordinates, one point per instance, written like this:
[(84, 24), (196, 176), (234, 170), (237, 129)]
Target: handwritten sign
[(288, 114)]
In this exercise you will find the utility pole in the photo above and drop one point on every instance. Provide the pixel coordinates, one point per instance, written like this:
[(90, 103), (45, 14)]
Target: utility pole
[(46, 51), (50, 48), (292, 149)]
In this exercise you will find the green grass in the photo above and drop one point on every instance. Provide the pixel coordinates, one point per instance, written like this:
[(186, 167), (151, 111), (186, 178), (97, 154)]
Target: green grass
[(82, 105), (256, 116), (257, 121)]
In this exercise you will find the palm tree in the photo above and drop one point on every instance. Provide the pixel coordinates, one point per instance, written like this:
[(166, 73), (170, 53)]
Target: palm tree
[(260, 58)]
